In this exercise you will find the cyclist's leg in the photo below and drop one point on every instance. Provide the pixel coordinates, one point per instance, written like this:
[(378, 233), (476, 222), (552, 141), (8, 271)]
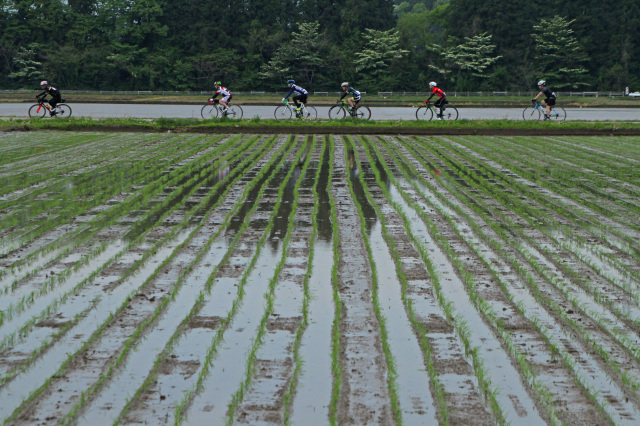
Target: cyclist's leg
[(295, 101), (53, 102), (438, 104)]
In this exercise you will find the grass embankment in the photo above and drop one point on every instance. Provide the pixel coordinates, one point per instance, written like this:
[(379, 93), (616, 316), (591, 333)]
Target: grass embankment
[(257, 125), (325, 100)]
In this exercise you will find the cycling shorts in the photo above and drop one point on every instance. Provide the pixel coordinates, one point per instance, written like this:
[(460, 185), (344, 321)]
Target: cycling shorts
[(550, 101)]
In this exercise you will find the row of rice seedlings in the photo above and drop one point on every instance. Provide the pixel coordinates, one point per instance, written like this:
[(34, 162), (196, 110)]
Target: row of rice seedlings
[(95, 336), (302, 326), (181, 408), (418, 326), (29, 324), (612, 260), (61, 277), (269, 168), (336, 366), (503, 154), (540, 296), (148, 321), (140, 172), (545, 396), (592, 289), (483, 307), (238, 396), (390, 360), (536, 213), (19, 145), (605, 169)]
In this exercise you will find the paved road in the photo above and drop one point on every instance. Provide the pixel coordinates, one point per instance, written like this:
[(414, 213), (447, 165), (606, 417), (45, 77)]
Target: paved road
[(377, 113)]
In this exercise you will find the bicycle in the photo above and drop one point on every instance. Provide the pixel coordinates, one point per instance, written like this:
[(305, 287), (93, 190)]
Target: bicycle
[(342, 109), (40, 109), (286, 112), (428, 111), (215, 110), (539, 110)]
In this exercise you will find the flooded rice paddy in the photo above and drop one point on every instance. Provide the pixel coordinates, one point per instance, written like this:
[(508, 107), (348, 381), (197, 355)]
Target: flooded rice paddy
[(279, 279)]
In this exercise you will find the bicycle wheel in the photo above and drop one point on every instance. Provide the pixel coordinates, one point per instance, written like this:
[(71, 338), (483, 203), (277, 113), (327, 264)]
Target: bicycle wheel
[(283, 112), (336, 112), (310, 113), (209, 111), (363, 112), (558, 113), (424, 113), (64, 110), (235, 112), (450, 113), (37, 111), (531, 113)]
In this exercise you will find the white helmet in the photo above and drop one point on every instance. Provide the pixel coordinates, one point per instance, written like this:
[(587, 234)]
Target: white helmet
[(542, 83), (44, 83), (345, 84), (433, 84)]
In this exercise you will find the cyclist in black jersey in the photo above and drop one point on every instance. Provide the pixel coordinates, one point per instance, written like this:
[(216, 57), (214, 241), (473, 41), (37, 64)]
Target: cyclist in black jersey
[(56, 96), (549, 100)]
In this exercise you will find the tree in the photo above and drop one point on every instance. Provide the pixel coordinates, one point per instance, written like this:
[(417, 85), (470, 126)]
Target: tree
[(467, 60), (300, 58), (381, 50), (559, 57), (28, 68)]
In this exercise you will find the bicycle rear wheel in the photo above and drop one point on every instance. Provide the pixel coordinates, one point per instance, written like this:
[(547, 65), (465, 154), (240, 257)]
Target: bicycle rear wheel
[(531, 113), (363, 112), (558, 113), (235, 112), (64, 110), (310, 113), (450, 113), (37, 111), (424, 113), (282, 113), (209, 111), (336, 112)]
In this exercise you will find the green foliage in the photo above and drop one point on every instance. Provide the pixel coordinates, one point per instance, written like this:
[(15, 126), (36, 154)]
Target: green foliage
[(559, 56), (27, 68), (373, 62)]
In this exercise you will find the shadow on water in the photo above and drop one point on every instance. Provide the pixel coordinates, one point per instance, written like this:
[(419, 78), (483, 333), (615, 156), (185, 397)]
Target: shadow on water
[(325, 231), (368, 211)]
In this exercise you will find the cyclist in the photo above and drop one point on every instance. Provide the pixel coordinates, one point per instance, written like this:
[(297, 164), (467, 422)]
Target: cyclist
[(550, 99), (226, 96), (301, 94), (442, 98), (354, 99), (56, 96)]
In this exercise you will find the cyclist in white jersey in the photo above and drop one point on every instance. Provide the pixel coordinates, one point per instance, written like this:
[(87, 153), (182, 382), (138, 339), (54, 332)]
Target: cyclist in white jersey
[(300, 94), (225, 93)]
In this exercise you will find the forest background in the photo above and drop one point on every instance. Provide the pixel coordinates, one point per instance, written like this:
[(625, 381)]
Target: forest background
[(375, 44)]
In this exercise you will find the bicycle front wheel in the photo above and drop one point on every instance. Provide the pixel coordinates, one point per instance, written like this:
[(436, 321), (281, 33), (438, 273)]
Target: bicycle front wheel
[(309, 113), (424, 113), (336, 112), (450, 113), (363, 112), (283, 113), (531, 113), (37, 111), (64, 110), (235, 112), (209, 111), (558, 113)]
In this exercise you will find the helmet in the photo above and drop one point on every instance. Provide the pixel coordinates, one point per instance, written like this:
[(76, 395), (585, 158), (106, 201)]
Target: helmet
[(433, 84), (44, 83), (290, 82), (345, 84), (217, 83), (542, 83)]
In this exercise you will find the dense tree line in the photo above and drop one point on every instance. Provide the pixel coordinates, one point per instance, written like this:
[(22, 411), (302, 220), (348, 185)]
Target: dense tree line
[(379, 45)]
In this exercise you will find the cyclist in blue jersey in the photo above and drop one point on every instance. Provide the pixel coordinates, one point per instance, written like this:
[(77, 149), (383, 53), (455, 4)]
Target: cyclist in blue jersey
[(300, 94), (354, 99)]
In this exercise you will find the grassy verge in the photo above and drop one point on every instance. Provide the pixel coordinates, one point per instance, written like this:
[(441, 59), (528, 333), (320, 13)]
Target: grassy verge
[(224, 125)]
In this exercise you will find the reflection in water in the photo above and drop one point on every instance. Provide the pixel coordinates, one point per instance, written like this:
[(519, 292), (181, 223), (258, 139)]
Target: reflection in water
[(281, 223), (368, 211), (325, 231)]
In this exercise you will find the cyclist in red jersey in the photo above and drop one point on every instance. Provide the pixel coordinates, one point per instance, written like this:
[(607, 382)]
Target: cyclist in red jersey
[(442, 98)]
